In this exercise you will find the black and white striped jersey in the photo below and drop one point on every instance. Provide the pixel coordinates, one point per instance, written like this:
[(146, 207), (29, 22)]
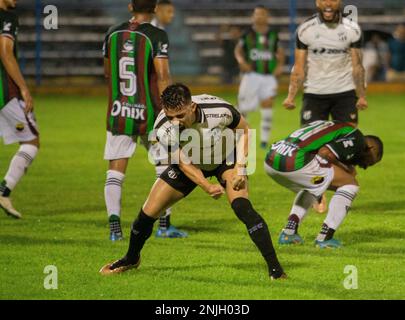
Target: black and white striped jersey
[(212, 136)]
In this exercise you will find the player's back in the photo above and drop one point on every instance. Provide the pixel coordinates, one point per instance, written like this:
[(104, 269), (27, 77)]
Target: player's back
[(130, 48), (300, 147)]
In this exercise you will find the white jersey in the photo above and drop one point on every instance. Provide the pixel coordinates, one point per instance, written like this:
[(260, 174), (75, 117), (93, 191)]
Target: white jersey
[(329, 63), (215, 119)]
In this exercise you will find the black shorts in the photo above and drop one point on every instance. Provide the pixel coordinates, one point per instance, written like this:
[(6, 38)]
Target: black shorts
[(341, 106), (177, 179)]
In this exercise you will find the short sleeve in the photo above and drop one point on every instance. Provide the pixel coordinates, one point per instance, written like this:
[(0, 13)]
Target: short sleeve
[(161, 45), (106, 52), (348, 148), (10, 26), (299, 44), (234, 120), (357, 39)]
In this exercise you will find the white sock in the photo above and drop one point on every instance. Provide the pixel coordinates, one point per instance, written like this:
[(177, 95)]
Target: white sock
[(112, 192), (266, 123), (302, 202), (19, 164), (339, 205)]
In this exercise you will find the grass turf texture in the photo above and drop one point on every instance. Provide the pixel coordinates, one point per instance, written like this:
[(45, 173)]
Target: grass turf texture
[(65, 223)]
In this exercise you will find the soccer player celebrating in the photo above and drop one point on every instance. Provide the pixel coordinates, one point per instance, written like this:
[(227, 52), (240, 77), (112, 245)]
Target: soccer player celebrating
[(137, 68), (17, 121), (209, 117), (164, 15), (316, 158), (328, 62), (261, 61)]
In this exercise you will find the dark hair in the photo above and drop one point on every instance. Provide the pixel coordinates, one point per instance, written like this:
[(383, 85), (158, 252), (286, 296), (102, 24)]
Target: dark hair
[(260, 6), (144, 6), (379, 144), (175, 96), (165, 2)]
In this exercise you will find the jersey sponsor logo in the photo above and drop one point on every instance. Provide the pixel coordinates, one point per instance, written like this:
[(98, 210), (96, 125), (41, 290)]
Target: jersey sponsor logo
[(256, 55), (128, 46), (329, 51), (217, 115), (126, 110), (284, 148)]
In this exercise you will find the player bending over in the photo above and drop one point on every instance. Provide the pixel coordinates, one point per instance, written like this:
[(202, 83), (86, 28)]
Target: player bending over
[(17, 121), (316, 158), (206, 115)]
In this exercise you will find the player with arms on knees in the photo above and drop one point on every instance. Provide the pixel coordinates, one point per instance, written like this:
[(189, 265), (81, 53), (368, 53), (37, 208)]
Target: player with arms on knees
[(17, 120), (328, 62), (316, 158), (261, 60), (209, 117), (137, 69)]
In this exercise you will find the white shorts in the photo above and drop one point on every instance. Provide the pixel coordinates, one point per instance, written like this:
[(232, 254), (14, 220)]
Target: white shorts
[(122, 146), (313, 178), (254, 88), (15, 126)]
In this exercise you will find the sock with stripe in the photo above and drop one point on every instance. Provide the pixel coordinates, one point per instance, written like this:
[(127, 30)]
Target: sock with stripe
[(339, 206), (266, 124), (303, 201), (112, 196), (18, 167)]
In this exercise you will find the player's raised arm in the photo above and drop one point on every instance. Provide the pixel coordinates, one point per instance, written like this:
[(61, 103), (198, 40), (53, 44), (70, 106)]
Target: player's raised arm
[(359, 76), (297, 77), (11, 65)]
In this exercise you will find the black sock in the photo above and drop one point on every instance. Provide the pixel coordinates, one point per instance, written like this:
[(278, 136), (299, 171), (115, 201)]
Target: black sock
[(258, 232), (326, 233), (164, 222), (292, 224), (140, 232), (4, 191), (115, 224)]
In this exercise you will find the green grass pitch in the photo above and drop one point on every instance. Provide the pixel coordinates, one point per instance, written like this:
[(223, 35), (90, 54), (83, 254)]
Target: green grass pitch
[(65, 222)]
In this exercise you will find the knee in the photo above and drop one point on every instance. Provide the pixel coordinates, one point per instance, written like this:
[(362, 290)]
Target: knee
[(245, 211)]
